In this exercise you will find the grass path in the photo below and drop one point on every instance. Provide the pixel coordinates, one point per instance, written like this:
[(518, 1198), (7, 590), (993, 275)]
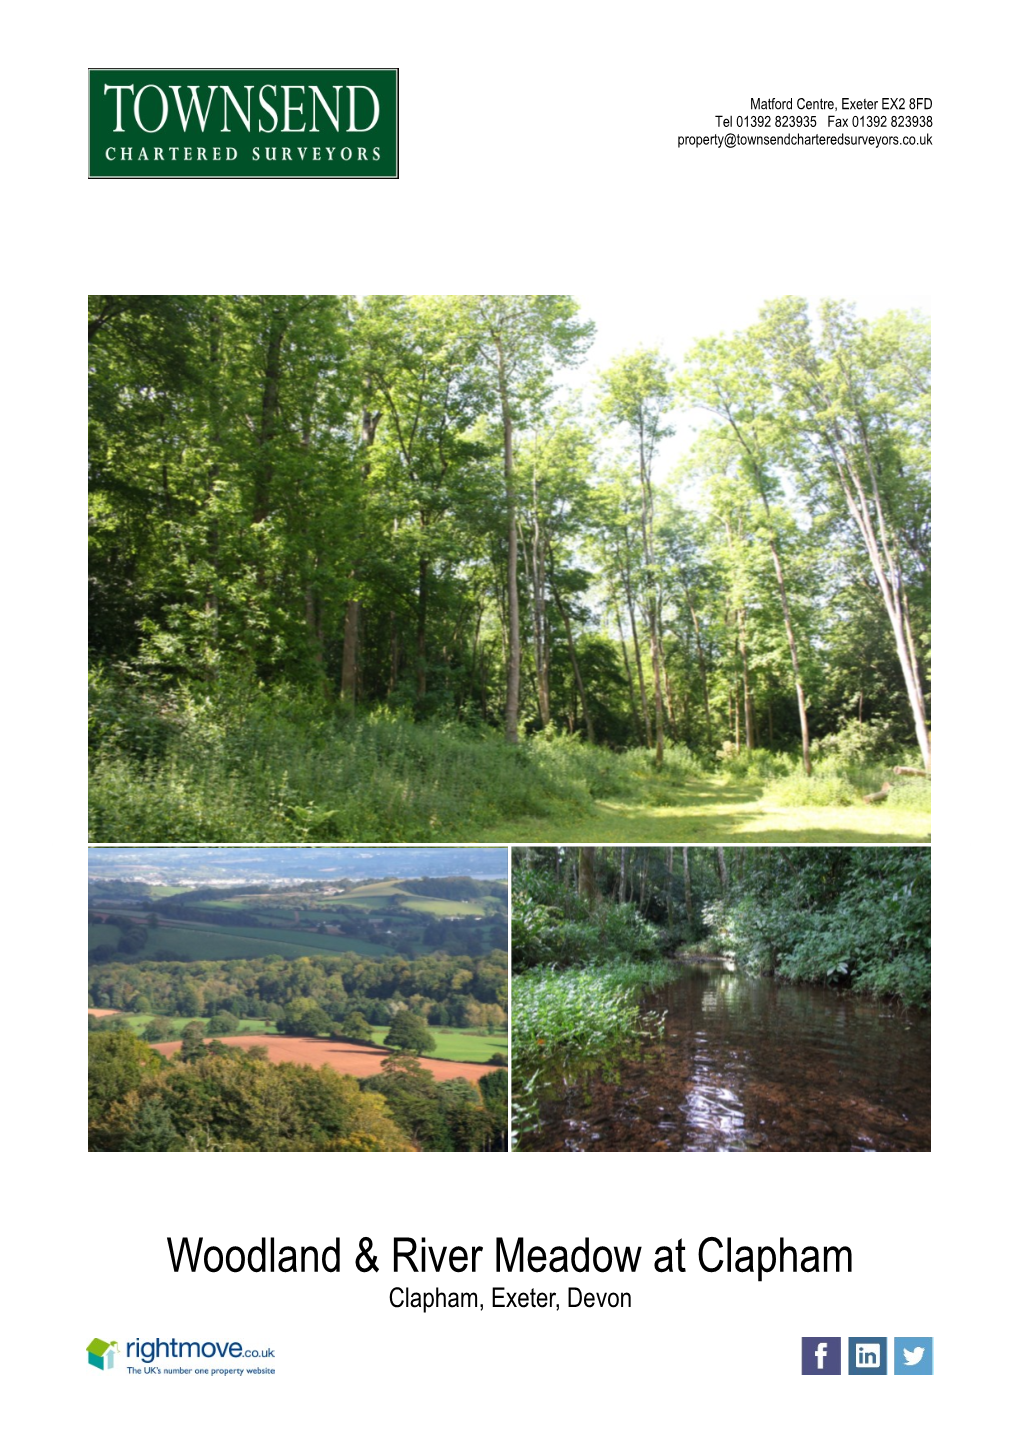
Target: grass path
[(716, 808)]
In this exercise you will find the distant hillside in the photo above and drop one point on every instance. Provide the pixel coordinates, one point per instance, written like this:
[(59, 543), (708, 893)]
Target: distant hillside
[(170, 864), (134, 921)]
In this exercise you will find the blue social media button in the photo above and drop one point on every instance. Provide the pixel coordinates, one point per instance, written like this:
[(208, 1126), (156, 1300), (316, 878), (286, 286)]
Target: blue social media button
[(866, 1356), (820, 1356), (913, 1356)]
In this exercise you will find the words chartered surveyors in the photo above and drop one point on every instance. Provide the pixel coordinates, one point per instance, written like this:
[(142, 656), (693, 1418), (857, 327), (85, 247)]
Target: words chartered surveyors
[(243, 123)]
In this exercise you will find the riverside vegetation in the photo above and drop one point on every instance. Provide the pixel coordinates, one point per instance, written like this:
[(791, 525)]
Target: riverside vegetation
[(362, 568), (732, 998)]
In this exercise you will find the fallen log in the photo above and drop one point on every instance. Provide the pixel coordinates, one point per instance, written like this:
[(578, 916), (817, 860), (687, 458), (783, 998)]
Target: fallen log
[(879, 795), (911, 771)]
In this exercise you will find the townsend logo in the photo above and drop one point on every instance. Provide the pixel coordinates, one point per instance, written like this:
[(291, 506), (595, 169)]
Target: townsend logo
[(243, 123)]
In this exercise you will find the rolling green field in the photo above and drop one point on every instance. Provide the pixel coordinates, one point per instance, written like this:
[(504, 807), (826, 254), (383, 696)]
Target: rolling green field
[(221, 943), (457, 1045), (441, 906), (138, 1021)]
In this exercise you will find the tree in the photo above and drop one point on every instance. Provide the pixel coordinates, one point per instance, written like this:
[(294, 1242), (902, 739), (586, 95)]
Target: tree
[(521, 338), (729, 379), (304, 1016), (152, 1129), (554, 462), (409, 1032), (158, 1029), (118, 1063), (192, 1042), (637, 393), (495, 1090), (586, 876), (354, 1027), (858, 405)]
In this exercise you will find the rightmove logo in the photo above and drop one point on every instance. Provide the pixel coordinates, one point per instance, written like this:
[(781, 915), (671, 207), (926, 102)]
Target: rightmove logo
[(100, 1354)]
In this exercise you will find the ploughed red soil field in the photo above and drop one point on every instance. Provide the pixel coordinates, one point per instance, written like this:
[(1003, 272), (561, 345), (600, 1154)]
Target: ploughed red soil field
[(345, 1056), (103, 1011)]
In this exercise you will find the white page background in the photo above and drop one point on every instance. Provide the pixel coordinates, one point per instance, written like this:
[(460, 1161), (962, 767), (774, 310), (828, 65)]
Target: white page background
[(537, 148)]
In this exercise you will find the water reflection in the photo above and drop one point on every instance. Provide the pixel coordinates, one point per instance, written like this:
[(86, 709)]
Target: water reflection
[(753, 1064)]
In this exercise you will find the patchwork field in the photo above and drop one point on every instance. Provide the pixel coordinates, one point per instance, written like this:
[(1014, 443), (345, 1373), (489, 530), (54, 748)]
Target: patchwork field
[(220, 943), (453, 1044), (374, 919), (349, 1057)]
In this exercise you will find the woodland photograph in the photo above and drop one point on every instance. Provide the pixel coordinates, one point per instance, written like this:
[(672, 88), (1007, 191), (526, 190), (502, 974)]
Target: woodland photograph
[(721, 998), (453, 568)]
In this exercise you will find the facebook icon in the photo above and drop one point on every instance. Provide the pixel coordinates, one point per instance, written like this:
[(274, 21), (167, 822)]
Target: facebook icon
[(820, 1356)]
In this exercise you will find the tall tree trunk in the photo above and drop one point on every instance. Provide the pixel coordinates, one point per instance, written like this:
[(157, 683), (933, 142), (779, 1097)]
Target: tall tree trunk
[(626, 667), (882, 563), (212, 605), (652, 602), (688, 890), (586, 877), (421, 632), (720, 861), (670, 713), (269, 418), (314, 628), (701, 663), (736, 721), (805, 735), (539, 627), (742, 643), (352, 616), (513, 667), (579, 683), (349, 663), (909, 630), (640, 674), (759, 478)]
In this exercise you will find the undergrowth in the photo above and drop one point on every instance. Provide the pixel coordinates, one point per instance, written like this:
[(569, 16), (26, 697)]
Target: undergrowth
[(261, 767)]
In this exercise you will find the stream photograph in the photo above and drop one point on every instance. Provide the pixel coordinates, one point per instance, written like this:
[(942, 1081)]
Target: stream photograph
[(721, 998)]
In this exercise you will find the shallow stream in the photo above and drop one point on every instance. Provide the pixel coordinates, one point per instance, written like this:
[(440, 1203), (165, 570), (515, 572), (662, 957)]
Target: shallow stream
[(753, 1064)]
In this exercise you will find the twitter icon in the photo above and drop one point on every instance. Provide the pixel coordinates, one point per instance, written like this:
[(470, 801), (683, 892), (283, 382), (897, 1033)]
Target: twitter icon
[(914, 1356)]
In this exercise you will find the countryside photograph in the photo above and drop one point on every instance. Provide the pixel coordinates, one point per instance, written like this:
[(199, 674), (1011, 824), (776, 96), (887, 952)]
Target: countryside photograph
[(401, 568), (703, 998), (297, 999)]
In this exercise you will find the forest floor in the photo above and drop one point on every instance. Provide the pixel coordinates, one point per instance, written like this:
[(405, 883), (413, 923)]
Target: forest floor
[(716, 809)]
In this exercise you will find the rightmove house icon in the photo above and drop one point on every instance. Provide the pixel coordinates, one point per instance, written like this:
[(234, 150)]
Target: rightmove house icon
[(100, 1353)]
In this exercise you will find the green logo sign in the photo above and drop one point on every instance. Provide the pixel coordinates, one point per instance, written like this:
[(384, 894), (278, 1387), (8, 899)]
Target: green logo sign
[(240, 123), (100, 1353)]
